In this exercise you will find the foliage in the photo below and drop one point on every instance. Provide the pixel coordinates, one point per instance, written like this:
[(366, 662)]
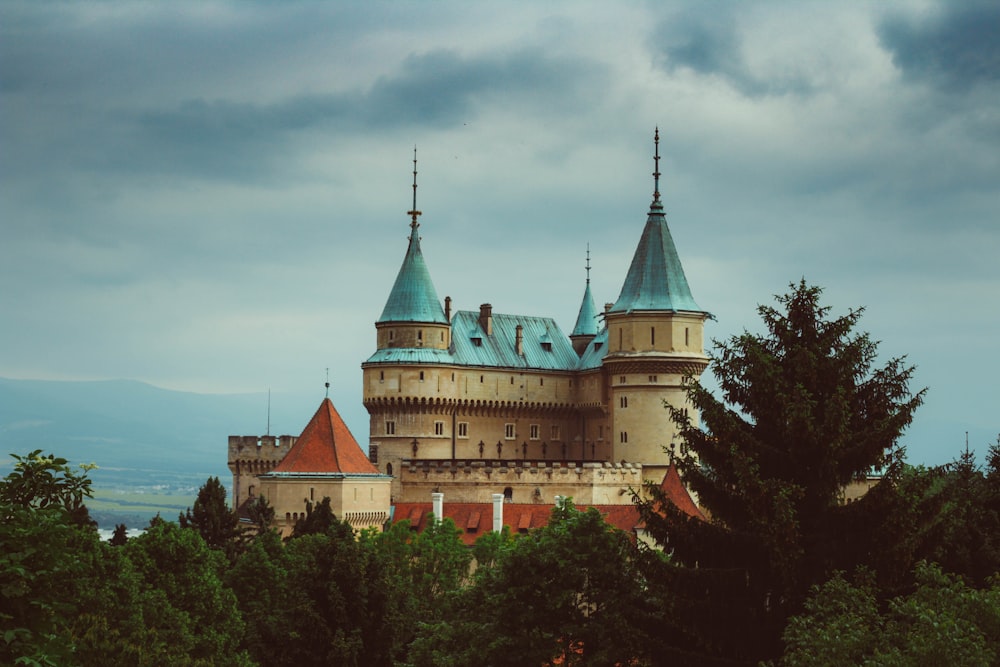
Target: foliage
[(261, 514), (942, 622), (39, 481), (805, 411), (215, 522), (190, 614), (568, 592), (318, 519)]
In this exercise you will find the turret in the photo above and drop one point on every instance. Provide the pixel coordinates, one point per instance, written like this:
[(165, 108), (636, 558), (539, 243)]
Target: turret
[(655, 341), (586, 320), (413, 317)]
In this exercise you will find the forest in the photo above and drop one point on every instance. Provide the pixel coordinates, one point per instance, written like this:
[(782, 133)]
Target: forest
[(783, 571)]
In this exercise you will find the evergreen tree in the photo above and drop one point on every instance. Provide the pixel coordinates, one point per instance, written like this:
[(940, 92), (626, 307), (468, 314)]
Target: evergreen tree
[(211, 517), (120, 536), (804, 411)]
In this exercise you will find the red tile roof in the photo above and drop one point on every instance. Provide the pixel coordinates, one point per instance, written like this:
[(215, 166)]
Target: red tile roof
[(326, 446), (677, 493)]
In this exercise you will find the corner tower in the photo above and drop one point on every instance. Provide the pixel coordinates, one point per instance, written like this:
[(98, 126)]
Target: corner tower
[(655, 341), (586, 320)]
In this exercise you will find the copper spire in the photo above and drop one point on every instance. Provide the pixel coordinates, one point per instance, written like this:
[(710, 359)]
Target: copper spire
[(656, 161), (414, 212)]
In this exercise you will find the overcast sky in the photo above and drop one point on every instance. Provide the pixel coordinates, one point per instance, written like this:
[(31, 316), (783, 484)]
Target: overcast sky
[(212, 196)]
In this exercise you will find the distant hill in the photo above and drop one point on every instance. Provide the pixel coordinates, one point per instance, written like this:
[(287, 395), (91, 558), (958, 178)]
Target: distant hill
[(124, 424)]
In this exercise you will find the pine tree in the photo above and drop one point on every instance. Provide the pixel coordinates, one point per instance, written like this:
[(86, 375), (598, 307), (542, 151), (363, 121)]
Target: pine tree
[(804, 411), (211, 517)]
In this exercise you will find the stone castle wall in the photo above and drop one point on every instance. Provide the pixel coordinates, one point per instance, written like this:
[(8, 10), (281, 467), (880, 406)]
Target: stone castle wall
[(252, 455)]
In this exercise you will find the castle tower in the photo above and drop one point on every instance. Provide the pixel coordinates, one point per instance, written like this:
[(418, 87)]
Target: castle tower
[(585, 329), (413, 336), (655, 341), (326, 462)]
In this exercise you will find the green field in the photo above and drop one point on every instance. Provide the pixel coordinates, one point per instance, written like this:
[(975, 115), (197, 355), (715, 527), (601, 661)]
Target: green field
[(135, 508)]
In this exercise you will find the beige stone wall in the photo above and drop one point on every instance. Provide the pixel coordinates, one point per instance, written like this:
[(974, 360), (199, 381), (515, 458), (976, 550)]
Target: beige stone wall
[(363, 502), (474, 481), (250, 456)]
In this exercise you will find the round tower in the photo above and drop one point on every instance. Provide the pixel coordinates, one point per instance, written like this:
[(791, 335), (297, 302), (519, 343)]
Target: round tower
[(655, 342)]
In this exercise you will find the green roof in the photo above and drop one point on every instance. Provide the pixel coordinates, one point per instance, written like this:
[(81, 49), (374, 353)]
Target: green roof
[(586, 320), (655, 280), (413, 298)]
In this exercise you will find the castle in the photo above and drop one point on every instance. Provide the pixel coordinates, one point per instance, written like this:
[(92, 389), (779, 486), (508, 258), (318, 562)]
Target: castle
[(480, 406)]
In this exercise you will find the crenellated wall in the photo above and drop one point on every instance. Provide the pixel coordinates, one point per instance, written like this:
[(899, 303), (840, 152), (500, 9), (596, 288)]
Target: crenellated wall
[(253, 455)]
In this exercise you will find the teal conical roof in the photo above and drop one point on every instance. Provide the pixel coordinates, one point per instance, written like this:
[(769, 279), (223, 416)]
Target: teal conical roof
[(656, 280), (586, 320), (413, 297)]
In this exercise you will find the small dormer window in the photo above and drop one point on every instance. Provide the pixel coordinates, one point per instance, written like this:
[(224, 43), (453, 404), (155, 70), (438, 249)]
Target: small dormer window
[(547, 345), (477, 341)]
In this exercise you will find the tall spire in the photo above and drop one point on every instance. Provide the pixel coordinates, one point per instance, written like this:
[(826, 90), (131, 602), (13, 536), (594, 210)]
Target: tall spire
[(586, 319), (656, 169), (655, 279), (413, 213), (413, 297)]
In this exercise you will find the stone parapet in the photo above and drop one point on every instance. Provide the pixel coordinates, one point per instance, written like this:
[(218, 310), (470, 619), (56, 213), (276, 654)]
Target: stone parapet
[(520, 481)]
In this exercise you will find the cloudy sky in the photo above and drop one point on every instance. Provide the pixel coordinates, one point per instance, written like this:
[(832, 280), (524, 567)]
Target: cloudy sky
[(212, 196)]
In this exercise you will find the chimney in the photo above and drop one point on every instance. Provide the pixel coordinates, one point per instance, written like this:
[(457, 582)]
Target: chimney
[(447, 309), (437, 506), (519, 341), (486, 318), (497, 512)]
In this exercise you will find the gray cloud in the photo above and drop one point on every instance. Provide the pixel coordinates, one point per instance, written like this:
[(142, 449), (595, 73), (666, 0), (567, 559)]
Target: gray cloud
[(956, 46), (707, 40)]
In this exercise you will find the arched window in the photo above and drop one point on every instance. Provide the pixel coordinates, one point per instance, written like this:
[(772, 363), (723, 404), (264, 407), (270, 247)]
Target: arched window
[(388, 469), (508, 495)]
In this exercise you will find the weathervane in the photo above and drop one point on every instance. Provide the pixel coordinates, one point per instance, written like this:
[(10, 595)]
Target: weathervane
[(327, 383), (588, 263)]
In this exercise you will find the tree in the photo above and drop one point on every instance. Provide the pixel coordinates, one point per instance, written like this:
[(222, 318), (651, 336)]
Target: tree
[(942, 622), (38, 482), (804, 411), (568, 593), (211, 517)]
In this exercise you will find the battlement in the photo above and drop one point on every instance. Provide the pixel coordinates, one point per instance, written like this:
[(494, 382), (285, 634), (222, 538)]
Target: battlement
[(520, 481), (253, 455)]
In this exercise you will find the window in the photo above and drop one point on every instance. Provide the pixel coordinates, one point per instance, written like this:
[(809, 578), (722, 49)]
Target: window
[(421, 376), (509, 432), (600, 431), (623, 402), (621, 380), (452, 377), (373, 453), (652, 378), (388, 469), (508, 494), (312, 493), (392, 334), (438, 428), (687, 337), (442, 336), (512, 379), (541, 382), (480, 379), (555, 431), (390, 428), (623, 436), (381, 376), (463, 429), (420, 334), (652, 335), (534, 431)]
